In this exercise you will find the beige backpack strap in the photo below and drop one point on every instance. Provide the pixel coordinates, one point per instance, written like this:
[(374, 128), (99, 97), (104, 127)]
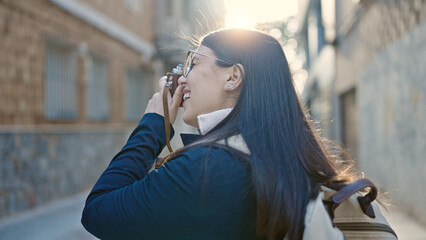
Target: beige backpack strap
[(318, 224), (237, 142), (347, 191)]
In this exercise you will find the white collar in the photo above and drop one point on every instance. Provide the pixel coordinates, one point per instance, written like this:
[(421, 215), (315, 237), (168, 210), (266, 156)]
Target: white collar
[(208, 121)]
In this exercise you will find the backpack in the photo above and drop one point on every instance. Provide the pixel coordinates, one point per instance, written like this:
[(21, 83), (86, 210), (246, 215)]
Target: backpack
[(340, 211)]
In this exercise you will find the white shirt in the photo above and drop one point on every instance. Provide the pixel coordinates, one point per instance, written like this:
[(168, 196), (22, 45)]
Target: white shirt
[(208, 121)]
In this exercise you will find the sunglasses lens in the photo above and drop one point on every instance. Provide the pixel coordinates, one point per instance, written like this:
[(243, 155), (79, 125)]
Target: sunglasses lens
[(188, 64)]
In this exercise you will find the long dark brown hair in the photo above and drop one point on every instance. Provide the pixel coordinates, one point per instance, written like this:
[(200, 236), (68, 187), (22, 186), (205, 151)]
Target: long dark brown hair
[(289, 161)]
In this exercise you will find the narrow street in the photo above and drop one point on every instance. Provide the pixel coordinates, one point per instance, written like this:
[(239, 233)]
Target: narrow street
[(56, 221)]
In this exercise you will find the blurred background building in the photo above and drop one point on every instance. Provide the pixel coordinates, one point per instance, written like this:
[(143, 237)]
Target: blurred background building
[(178, 21), (178, 25), (75, 77), (367, 87)]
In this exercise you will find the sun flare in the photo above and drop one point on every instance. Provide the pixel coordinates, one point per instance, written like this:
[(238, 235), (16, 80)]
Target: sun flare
[(248, 13), (239, 21)]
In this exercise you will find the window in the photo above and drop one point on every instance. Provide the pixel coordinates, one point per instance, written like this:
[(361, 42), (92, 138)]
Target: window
[(133, 5), (350, 116), (138, 93), (315, 32), (61, 81), (97, 88), (169, 8)]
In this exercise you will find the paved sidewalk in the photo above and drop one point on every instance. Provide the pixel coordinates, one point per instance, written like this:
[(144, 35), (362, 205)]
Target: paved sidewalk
[(405, 226), (61, 221), (57, 221)]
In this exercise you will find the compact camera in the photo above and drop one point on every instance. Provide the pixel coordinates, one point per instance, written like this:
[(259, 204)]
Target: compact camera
[(172, 79)]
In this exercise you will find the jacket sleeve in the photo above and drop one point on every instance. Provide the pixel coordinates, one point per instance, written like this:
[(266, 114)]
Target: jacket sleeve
[(136, 158), (131, 164), (187, 197)]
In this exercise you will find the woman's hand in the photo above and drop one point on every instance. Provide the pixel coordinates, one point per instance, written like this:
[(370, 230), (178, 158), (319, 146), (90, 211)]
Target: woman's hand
[(155, 105)]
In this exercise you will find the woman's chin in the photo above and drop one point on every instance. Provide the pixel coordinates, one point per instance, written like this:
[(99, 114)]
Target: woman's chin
[(191, 121)]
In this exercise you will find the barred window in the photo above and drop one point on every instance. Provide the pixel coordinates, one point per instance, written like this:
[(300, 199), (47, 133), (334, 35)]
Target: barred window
[(97, 88), (138, 93), (61, 81)]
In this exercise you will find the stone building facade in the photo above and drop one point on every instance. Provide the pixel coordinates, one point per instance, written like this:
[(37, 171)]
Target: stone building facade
[(374, 94), (75, 77)]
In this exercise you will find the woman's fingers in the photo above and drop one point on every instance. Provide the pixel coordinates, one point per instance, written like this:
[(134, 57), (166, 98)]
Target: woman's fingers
[(162, 82), (155, 105), (174, 103), (177, 97)]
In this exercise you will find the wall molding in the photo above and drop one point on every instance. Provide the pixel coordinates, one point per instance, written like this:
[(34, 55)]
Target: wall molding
[(108, 26)]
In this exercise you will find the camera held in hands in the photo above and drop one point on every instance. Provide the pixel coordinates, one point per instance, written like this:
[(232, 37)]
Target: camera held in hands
[(171, 85), (172, 79)]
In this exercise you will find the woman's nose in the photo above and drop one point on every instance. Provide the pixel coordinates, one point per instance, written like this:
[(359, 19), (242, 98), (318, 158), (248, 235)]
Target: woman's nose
[(182, 80)]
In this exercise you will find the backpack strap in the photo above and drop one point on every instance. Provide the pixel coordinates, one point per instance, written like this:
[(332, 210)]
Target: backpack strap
[(236, 142), (347, 191)]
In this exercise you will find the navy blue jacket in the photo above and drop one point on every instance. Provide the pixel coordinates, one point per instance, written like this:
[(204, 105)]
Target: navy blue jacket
[(206, 193)]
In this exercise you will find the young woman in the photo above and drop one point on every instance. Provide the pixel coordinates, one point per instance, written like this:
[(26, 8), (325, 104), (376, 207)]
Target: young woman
[(251, 173)]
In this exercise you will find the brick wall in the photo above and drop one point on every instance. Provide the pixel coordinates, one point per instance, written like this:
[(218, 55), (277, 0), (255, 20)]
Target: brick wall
[(43, 160), (138, 20), (25, 26)]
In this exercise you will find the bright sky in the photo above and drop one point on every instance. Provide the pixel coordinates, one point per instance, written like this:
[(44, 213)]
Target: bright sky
[(246, 13)]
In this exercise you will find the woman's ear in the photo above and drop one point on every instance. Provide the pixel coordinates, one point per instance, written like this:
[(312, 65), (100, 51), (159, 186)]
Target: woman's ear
[(235, 79)]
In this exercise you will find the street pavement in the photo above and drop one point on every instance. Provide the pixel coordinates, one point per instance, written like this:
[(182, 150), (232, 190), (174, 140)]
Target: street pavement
[(406, 227), (61, 221), (56, 221)]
